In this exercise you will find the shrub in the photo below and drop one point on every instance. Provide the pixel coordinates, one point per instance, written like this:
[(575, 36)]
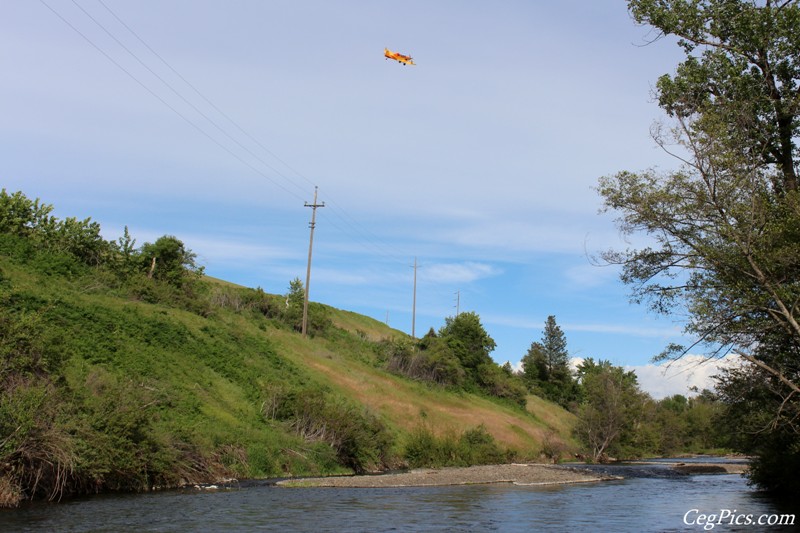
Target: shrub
[(494, 380), (435, 363), (361, 440), (475, 446), (37, 456)]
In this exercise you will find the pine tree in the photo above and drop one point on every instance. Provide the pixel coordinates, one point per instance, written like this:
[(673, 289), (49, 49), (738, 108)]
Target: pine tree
[(554, 344)]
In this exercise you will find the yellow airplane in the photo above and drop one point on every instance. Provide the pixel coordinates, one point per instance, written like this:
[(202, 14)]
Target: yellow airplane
[(400, 58)]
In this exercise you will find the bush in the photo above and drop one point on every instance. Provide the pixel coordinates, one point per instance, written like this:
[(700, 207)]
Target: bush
[(37, 457), (494, 380), (361, 440), (435, 363), (475, 446)]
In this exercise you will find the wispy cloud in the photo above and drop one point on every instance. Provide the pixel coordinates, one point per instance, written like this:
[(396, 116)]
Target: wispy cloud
[(624, 329), (612, 329), (456, 272)]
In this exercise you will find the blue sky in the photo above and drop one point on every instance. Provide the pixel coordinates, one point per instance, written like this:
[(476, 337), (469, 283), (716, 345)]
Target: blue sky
[(213, 121)]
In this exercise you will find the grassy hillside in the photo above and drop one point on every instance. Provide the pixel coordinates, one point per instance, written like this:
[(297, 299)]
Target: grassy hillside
[(130, 386)]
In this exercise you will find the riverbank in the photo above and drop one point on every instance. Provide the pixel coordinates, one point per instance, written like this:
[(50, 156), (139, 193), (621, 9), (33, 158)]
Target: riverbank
[(518, 474)]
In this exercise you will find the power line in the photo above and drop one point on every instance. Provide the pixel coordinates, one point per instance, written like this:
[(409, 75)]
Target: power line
[(356, 229), (179, 95), (167, 104), (201, 95), (342, 214)]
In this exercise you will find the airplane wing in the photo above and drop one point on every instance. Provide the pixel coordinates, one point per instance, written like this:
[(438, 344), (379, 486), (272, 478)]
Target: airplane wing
[(400, 58)]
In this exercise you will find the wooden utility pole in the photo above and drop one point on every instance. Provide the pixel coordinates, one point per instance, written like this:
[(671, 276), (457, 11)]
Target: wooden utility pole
[(414, 307), (458, 302), (313, 223)]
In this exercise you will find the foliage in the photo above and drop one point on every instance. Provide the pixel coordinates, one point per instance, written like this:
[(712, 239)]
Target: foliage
[(110, 384), (500, 384), (741, 73), (21, 216), (359, 438), (752, 397), (170, 261), (469, 342), (608, 420), (545, 368), (429, 360), (457, 357), (725, 228), (474, 446)]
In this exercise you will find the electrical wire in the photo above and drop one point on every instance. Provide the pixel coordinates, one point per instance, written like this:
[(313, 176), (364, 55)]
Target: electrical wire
[(160, 99), (356, 230)]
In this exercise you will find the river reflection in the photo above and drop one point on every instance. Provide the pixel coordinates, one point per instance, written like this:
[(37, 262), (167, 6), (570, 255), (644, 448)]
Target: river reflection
[(635, 504)]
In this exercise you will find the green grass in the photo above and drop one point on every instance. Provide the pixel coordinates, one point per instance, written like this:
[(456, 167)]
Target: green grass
[(176, 396)]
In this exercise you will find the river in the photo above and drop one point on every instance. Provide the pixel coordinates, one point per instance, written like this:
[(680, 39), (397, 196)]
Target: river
[(641, 502)]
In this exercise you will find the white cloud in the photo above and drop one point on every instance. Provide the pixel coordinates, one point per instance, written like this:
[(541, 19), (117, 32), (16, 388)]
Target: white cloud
[(676, 377), (456, 272)]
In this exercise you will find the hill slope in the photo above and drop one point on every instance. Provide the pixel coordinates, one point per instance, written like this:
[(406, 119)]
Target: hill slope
[(131, 386)]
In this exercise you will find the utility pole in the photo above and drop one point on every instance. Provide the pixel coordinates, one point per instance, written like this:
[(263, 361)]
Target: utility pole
[(458, 302), (313, 223), (414, 307)]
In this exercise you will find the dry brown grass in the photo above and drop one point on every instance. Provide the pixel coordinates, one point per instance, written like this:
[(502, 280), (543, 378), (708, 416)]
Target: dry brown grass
[(408, 403)]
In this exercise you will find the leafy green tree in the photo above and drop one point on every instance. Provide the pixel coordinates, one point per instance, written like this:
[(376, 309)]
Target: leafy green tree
[(612, 410), (22, 216), (469, 341), (534, 366), (80, 238), (293, 311), (741, 72), (170, 261), (725, 227), (125, 254), (760, 418), (466, 339), (296, 295)]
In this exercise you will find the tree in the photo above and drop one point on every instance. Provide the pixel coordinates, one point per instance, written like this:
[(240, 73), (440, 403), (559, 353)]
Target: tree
[(169, 260), (554, 345), (741, 71), (468, 340), (22, 216), (292, 313), (724, 229), (534, 366), (612, 407), (546, 366)]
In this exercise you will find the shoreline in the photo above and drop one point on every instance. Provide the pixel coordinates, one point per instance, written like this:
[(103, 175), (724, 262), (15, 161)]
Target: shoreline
[(517, 474)]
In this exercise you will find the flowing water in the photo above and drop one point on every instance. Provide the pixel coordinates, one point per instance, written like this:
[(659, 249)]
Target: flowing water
[(647, 500)]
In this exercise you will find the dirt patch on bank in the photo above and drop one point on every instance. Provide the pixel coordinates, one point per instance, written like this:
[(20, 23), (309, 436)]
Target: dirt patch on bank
[(518, 474)]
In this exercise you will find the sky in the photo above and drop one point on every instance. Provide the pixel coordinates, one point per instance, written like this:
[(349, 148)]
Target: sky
[(214, 122)]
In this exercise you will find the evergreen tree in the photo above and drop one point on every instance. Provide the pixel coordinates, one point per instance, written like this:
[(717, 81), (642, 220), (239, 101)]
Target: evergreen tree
[(546, 369), (554, 346)]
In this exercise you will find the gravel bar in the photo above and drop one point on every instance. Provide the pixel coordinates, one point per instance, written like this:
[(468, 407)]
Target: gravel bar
[(518, 474)]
